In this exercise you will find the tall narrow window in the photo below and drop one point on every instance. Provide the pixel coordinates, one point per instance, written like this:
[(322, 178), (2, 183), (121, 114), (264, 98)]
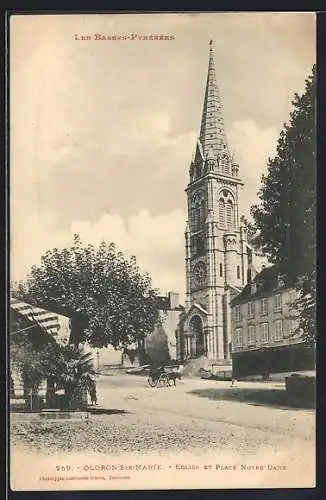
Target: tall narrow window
[(198, 219), (238, 272), (221, 270), (229, 213), (200, 246), (264, 333), (278, 302), (194, 213), (221, 211), (202, 212), (225, 165), (198, 208), (238, 313), (264, 306), (251, 335), (238, 337), (278, 329), (251, 309), (293, 326)]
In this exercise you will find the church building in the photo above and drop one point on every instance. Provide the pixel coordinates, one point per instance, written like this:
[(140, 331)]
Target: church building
[(219, 260)]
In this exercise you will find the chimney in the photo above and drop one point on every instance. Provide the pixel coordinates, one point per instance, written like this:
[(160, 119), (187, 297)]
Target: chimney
[(173, 300)]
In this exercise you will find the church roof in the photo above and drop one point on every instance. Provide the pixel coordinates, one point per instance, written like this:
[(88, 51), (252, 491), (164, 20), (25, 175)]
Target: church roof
[(197, 307), (212, 132)]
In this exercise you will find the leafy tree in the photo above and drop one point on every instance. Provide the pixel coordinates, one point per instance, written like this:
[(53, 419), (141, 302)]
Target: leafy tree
[(129, 353), (75, 374), (285, 218), (37, 357), (109, 299), (32, 355)]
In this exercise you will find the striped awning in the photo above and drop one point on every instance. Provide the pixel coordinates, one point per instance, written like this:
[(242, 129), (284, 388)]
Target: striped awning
[(56, 325)]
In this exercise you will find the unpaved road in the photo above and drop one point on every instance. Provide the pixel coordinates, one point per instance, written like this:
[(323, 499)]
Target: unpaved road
[(196, 416), (244, 435)]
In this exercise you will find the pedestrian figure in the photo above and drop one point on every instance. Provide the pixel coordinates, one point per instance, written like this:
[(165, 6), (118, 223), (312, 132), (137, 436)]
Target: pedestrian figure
[(234, 382), (93, 395)]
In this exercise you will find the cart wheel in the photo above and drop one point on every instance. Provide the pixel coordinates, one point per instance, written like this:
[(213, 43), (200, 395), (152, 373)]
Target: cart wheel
[(163, 380), (152, 382)]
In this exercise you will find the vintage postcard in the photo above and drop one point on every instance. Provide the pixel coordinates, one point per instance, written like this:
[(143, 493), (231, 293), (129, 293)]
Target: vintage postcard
[(162, 232)]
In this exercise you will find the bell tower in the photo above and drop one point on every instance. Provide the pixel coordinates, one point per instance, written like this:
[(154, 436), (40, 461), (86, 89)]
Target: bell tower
[(215, 244)]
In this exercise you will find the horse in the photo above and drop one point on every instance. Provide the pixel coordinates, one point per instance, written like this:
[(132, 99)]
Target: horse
[(173, 376)]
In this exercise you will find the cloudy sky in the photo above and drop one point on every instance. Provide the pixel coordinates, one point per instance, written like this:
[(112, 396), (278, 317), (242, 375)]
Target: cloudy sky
[(102, 132)]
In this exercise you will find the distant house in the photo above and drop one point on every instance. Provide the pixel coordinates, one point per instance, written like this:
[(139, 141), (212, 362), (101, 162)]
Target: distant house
[(164, 336), (265, 334), (160, 343)]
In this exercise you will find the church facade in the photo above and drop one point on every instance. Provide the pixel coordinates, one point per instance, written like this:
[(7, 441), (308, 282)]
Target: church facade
[(219, 260)]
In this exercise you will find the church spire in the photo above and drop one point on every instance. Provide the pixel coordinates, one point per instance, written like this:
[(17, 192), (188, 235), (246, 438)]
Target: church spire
[(212, 133)]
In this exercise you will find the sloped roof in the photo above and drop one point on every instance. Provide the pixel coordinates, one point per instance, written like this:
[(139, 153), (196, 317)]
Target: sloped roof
[(266, 282), (48, 321)]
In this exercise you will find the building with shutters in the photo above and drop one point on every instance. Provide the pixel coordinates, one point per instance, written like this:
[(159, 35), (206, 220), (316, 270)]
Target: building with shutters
[(266, 338)]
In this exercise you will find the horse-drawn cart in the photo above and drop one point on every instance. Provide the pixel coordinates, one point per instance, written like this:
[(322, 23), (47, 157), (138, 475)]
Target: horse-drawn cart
[(163, 375)]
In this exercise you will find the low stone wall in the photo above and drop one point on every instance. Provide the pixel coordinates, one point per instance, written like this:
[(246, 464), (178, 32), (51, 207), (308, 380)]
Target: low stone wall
[(49, 415), (301, 391)]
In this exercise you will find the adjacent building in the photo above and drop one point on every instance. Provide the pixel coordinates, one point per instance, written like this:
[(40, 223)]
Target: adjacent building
[(160, 344), (219, 259), (41, 326), (24, 317), (265, 328), (163, 339)]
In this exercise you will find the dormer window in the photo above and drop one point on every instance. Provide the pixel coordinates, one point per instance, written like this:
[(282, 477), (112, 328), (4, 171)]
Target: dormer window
[(253, 288), (225, 165), (280, 281)]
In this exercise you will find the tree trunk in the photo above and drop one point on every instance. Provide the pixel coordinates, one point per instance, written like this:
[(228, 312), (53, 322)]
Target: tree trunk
[(141, 350), (50, 393), (76, 398)]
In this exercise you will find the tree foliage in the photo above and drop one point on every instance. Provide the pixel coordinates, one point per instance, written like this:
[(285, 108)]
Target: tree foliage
[(75, 373), (37, 357), (285, 218), (110, 301), (34, 361)]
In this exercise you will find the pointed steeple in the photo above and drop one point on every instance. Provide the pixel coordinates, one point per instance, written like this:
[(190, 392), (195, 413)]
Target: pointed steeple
[(212, 133)]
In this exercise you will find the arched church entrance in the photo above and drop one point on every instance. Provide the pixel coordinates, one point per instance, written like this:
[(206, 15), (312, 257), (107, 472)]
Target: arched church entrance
[(198, 344)]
